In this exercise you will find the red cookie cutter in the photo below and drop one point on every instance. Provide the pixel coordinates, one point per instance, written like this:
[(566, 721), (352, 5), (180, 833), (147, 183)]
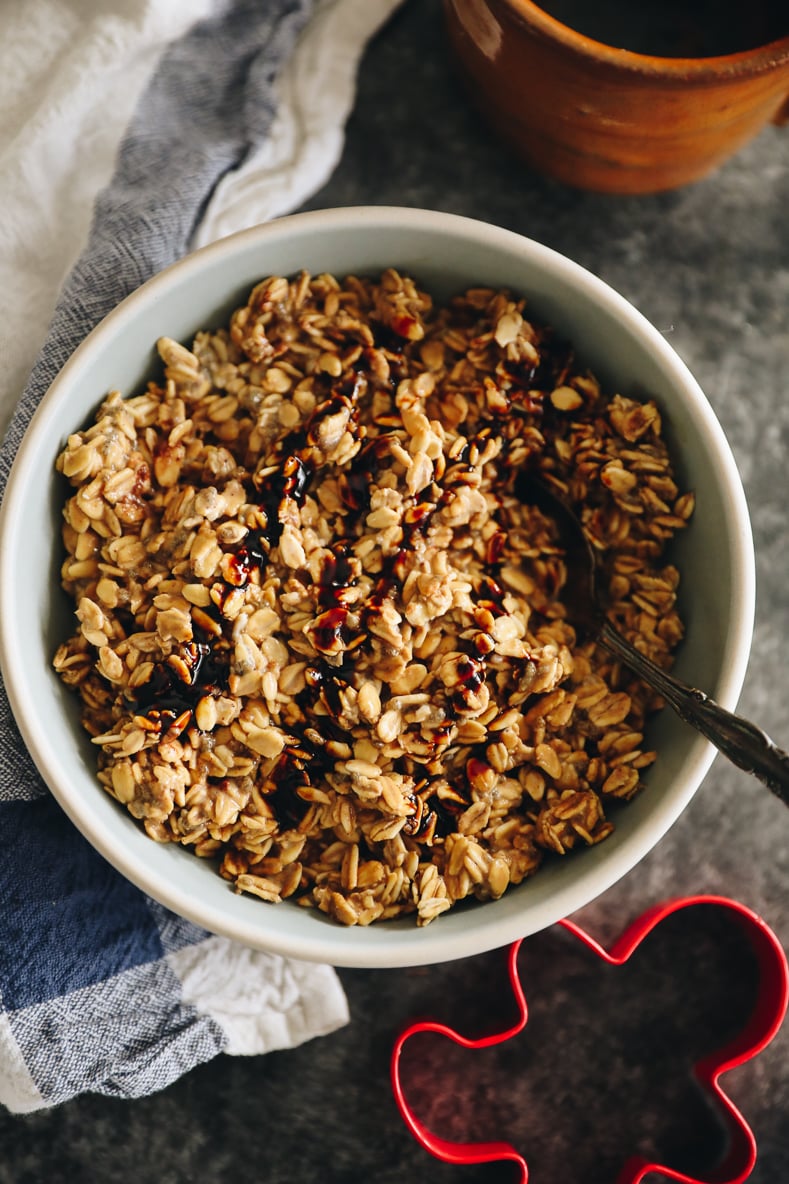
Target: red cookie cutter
[(761, 1027)]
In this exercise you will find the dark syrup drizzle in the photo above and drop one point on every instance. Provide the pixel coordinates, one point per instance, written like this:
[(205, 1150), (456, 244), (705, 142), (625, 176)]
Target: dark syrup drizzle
[(167, 699)]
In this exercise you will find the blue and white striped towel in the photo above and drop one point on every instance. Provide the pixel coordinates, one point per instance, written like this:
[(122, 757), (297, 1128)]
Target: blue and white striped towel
[(133, 132)]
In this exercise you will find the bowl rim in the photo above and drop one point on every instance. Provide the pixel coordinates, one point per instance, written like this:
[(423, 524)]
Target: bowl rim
[(711, 69), (335, 947)]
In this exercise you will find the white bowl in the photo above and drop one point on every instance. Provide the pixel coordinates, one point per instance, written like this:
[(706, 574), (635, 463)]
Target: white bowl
[(446, 253)]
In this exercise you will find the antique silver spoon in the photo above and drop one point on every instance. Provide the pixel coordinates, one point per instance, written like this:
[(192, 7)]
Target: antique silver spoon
[(746, 745)]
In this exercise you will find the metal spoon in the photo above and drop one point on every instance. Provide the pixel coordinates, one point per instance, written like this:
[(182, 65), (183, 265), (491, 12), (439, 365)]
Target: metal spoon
[(746, 745)]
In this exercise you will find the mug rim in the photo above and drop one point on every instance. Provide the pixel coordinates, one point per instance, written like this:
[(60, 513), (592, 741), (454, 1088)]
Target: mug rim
[(749, 62)]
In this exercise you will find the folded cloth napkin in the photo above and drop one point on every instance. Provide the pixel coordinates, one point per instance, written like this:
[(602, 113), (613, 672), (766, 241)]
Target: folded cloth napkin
[(133, 132)]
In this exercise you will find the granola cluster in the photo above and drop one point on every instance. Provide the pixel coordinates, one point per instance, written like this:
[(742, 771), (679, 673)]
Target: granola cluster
[(321, 638)]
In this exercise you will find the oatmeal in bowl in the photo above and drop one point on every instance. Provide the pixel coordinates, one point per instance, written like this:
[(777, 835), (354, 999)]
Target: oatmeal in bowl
[(320, 639)]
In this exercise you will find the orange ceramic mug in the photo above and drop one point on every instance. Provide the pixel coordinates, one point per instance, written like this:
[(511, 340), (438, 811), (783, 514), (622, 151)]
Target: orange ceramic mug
[(593, 107)]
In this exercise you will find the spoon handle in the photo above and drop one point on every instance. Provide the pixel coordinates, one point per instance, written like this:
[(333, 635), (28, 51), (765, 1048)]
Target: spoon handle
[(742, 742)]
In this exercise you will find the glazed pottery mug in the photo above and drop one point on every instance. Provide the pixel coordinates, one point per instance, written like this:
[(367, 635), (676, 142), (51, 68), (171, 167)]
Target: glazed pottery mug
[(625, 96)]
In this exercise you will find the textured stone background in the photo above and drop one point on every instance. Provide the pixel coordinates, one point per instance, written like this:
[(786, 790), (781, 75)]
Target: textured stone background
[(604, 1068)]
